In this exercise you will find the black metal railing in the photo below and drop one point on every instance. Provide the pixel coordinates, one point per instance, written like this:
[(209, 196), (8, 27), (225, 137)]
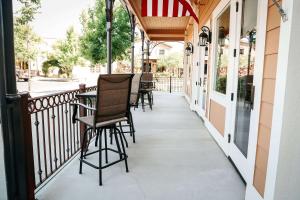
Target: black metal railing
[(55, 138), (168, 84)]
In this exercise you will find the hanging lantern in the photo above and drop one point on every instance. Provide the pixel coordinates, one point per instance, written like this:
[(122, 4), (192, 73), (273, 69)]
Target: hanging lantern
[(188, 49), (222, 36), (204, 36)]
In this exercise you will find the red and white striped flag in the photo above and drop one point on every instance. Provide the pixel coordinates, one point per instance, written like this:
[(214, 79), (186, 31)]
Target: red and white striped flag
[(168, 8)]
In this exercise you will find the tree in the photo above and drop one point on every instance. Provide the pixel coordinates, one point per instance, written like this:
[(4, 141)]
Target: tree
[(26, 40), (93, 40), (66, 52), (28, 10), (173, 60)]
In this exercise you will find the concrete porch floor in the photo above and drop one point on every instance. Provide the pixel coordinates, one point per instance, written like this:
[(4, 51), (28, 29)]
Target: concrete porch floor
[(175, 158)]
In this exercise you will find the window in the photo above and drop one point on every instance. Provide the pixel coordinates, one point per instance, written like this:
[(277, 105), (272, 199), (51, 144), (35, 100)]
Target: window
[(222, 51), (161, 52)]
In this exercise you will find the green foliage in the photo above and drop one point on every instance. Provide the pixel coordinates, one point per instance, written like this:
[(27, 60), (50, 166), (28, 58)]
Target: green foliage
[(52, 62), (173, 60), (93, 40), (27, 11), (221, 84), (26, 40), (66, 52)]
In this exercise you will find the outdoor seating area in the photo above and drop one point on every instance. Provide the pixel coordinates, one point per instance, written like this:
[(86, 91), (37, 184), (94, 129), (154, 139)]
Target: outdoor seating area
[(174, 157)]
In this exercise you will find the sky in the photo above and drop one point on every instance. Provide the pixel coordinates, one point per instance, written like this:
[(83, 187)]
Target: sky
[(56, 16)]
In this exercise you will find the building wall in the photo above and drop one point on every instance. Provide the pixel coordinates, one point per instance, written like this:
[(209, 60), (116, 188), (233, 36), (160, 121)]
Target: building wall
[(267, 99)]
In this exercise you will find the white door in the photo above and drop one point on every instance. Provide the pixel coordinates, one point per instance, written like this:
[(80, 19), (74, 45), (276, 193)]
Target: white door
[(242, 86), (202, 79)]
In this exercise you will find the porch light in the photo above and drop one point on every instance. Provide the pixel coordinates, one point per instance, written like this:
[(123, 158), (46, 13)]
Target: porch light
[(205, 36), (189, 49), (222, 36)]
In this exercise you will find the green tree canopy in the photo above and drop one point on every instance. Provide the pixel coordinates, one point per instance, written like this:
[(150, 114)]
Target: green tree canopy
[(172, 60), (93, 40), (66, 52), (26, 40)]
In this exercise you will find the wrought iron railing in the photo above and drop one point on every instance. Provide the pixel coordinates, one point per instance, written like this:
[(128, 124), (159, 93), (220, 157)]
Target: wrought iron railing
[(55, 138), (168, 84)]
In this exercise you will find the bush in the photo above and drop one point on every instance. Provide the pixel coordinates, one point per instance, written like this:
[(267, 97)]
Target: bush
[(48, 64)]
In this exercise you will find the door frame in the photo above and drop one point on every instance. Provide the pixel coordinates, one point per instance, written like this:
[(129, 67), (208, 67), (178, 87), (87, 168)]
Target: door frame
[(241, 162), (221, 99)]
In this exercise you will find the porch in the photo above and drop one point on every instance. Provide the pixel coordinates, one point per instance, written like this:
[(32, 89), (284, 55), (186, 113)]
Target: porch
[(174, 158)]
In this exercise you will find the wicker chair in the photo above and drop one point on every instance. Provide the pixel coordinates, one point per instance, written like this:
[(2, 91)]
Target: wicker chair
[(112, 107)]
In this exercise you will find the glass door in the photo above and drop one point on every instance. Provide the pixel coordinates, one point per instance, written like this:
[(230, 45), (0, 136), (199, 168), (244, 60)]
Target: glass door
[(203, 80), (243, 86)]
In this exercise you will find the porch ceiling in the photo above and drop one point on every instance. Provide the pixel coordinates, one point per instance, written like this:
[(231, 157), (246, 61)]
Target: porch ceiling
[(159, 28)]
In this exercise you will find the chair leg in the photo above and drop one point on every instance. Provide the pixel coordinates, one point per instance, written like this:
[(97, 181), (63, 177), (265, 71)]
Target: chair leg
[(82, 150), (100, 158), (149, 100), (132, 129), (96, 140), (124, 151), (111, 136), (105, 142), (143, 101), (117, 142), (126, 143), (152, 101)]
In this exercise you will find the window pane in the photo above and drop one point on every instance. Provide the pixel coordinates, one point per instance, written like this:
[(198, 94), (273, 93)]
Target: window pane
[(245, 75), (222, 54)]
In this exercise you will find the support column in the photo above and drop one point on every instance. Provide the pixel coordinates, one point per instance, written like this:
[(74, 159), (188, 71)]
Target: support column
[(132, 41), (283, 177), (109, 7), (148, 55), (143, 50), (15, 122)]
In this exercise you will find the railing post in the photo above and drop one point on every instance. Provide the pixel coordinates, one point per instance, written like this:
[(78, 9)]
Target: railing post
[(28, 147), (170, 84), (82, 111)]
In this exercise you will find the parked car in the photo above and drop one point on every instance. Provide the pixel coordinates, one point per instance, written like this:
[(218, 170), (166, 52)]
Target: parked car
[(22, 75)]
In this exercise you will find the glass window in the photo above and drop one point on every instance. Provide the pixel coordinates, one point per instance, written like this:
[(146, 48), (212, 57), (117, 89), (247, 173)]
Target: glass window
[(245, 91), (161, 52), (222, 51)]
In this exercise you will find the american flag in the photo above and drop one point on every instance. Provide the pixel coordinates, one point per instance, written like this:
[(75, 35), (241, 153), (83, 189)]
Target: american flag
[(167, 8)]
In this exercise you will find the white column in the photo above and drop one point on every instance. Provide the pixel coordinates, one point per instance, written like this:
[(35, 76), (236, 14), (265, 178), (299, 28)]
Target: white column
[(283, 175)]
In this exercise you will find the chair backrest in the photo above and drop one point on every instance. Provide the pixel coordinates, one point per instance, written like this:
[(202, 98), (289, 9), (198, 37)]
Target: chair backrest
[(113, 97), (135, 87), (147, 76)]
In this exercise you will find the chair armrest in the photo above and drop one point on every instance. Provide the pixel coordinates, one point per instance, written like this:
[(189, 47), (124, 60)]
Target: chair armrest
[(75, 106)]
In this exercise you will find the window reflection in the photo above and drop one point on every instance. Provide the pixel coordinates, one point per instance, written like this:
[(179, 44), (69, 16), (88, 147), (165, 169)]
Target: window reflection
[(222, 56)]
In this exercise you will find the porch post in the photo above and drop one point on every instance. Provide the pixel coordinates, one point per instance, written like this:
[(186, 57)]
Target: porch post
[(109, 15), (14, 116), (148, 55), (132, 41), (143, 51)]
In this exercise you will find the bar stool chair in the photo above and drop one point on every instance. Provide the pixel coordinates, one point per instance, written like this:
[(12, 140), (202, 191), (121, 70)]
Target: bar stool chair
[(112, 107), (146, 89), (134, 103)]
